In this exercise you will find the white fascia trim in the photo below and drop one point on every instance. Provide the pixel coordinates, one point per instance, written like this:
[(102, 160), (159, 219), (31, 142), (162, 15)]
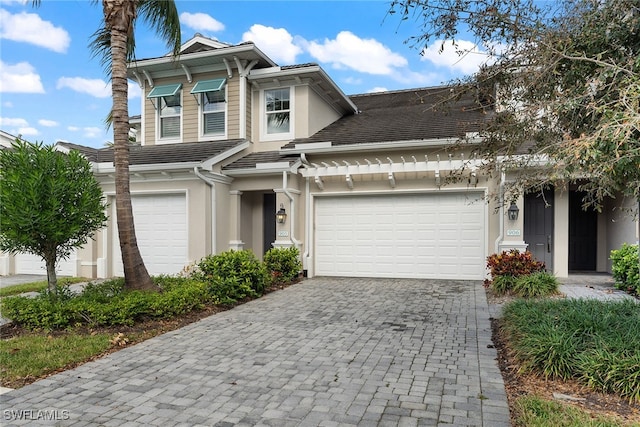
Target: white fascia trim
[(265, 170), (222, 52), (326, 147), (105, 168), (208, 164)]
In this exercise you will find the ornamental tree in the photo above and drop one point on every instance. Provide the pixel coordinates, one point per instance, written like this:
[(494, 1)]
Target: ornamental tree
[(50, 203)]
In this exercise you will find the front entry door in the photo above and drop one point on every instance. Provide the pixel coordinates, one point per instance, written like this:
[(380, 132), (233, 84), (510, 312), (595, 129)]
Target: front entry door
[(269, 221), (538, 225), (583, 234)]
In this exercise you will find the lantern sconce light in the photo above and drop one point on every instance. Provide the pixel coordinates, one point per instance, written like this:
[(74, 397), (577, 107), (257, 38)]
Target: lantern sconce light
[(513, 212), (281, 215)]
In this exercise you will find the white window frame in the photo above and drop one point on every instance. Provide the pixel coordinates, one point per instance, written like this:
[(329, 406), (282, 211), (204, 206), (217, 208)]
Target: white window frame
[(202, 113), (159, 117), (264, 136)]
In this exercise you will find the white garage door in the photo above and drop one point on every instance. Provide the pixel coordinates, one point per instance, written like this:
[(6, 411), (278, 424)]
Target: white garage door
[(406, 236), (161, 231), (33, 264)]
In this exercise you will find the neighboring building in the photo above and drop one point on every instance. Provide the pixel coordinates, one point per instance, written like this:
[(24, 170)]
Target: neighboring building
[(228, 138)]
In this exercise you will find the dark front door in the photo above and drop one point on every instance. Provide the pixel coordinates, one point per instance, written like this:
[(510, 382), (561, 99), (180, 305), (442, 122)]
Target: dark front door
[(269, 220), (538, 225), (583, 234)]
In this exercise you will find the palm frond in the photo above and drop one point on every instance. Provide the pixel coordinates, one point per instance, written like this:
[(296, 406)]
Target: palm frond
[(162, 16)]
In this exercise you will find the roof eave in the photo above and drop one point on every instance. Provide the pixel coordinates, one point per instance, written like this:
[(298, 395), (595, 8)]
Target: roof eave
[(327, 147)]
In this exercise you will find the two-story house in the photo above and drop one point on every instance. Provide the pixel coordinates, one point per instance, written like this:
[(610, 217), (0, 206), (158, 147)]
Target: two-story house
[(228, 139)]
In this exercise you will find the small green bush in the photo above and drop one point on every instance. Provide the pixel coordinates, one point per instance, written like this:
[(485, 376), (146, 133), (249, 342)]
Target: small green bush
[(283, 264), (232, 275), (539, 284), (502, 285), (625, 268), (513, 263)]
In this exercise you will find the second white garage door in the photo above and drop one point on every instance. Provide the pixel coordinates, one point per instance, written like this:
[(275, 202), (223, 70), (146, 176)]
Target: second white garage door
[(405, 236), (161, 231)]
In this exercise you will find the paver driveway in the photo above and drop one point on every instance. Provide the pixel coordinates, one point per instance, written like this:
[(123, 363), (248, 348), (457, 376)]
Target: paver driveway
[(323, 352)]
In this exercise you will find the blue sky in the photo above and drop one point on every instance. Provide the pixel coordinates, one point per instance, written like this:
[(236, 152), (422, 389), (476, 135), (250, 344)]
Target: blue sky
[(52, 89)]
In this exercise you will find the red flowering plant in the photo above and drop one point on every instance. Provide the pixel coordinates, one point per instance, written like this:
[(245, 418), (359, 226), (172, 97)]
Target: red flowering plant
[(512, 263)]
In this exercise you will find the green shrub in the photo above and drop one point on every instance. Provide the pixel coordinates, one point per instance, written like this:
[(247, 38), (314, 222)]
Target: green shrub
[(107, 304), (625, 268), (232, 275), (595, 342), (537, 284), (513, 263), (503, 284), (283, 264)]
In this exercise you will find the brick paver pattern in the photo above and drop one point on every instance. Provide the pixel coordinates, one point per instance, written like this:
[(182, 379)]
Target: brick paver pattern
[(324, 352)]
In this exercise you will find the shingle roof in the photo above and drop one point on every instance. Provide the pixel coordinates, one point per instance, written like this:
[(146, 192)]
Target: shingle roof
[(249, 161), (158, 154), (406, 115)]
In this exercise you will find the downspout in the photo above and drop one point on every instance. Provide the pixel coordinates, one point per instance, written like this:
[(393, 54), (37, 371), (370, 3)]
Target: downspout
[(293, 209), (212, 185), (501, 202)]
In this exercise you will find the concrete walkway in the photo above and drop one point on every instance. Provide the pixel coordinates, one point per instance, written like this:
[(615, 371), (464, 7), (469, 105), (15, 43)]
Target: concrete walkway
[(324, 352)]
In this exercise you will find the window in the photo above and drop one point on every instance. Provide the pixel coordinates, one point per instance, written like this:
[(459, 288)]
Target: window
[(168, 103), (170, 107), (213, 106), (278, 112), (213, 112)]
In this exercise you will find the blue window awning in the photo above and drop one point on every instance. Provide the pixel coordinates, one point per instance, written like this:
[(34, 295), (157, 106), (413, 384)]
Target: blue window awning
[(165, 90), (208, 85)]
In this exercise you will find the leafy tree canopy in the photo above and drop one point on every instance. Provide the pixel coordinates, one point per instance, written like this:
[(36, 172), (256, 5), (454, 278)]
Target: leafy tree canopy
[(50, 202), (564, 81)]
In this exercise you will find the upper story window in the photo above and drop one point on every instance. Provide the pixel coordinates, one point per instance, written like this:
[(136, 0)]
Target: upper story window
[(278, 111), (170, 116), (169, 110), (213, 106)]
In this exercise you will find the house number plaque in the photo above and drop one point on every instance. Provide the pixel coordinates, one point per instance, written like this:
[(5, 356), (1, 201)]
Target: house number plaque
[(513, 232)]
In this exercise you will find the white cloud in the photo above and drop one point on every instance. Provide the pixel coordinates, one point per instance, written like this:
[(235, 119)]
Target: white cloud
[(28, 131), (7, 104), (134, 91), (94, 87), (73, 128), (200, 22), (465, 58), (13, 122), (377, 89), (19, 78), (47, 123), (92, 132), (363, 55), (30, 28), (277, 43)]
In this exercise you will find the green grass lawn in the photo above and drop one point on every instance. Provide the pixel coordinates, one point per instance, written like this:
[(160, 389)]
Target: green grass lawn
[(533, 411), (37, 355)]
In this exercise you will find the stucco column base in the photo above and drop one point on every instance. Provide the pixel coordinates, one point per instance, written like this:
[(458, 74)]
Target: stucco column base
[(5, 265), (282, 244), (508, 245), (101, 268), (236, 245)]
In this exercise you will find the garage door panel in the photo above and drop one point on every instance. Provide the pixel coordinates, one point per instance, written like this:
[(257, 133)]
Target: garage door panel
[(431, 236), (34, 264), (161, 230)]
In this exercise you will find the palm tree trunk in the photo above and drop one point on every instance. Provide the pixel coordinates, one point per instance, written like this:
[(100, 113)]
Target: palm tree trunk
[(119, 15)]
